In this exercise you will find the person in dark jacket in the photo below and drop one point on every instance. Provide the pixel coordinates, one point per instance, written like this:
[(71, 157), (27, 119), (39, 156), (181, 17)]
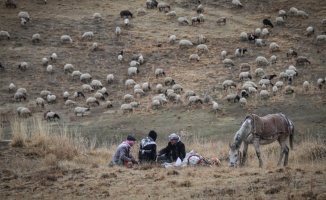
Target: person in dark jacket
[(174, 150), (147, 150)]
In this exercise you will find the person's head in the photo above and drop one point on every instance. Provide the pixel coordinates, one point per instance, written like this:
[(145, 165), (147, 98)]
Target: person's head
[(131, 140), (174, 138), (153, 135)]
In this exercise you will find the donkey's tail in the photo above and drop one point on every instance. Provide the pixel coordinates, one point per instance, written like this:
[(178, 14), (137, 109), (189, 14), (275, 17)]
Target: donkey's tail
[(291, 134)]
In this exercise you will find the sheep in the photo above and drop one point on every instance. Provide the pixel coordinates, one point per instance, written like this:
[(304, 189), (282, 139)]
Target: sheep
[(194, 100), (279, 84), (126, 108), (194, 57), (202, 39), (87, 87), (319, 39), (133, 71), (120, 56), (117, 31), (305, 86), (279, 21), (172, 39), (243, 36), (65, 95), (162, 6), (169, 81), (201, 18), (260, 42), (92, 101), (45, 93), (51, 98), (19, 96), (243, 101), (283, 76), (251, 84), (245, 67), (289, 89), (109, 104), (221, 20), (232, 97), (282, 13), (151, 3), (110, 78), (40, 102), (275, 90), (50, 69), (4, 34), (171, 14), (51, 116), (88, 35), (310, 30), (36, 38), (273, 59), (252, 90), (320, 83), (301, 60), (264, 94), (207, 98), (269, 76), (12, 87), (262, 61), (134, 63), (263, 87), (183, 21), (185, 44), (128, 98), (139, 92), (302, 14), (224, 54), (66, 39), (240, 52), (265, 82), (125, 13), (45, 61), (53, 57), (96, 84), (97, 16), (103, 91), (141, 12), (159, 88), (236, 3), (85, 77), (80, 110), (99, 95), (161, 98), (155, 104), (274, 47), (79, 94), (215, 106), (177, 88), (22, 65), (126, 22), (23, 15), (130, 82), (244, 75), (68, 68), (10, 4), (200, 8), (293, 11), (292, 68), (267, 22), (244, 93), (291, 53), (264, 33), (228, 84), (146, 86), (140, 59), (257, 32), (24, 112), (75, 74), (228, 62), (95, 46), (159, 72)]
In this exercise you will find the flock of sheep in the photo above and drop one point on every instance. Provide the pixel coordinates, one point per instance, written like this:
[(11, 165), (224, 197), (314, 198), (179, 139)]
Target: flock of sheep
[(93, 92)]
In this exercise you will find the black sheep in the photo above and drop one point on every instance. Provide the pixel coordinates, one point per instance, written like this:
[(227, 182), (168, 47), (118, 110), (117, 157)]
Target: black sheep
[(267, 22), (244, 94), (269, 77), (252, 37), (79, 94), (10, 4), (126, 13)]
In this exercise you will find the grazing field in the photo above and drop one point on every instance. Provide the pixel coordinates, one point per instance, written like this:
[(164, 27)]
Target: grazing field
[(42, 167)]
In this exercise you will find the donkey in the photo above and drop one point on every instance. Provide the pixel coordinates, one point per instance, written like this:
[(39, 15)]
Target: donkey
[(261, 131)]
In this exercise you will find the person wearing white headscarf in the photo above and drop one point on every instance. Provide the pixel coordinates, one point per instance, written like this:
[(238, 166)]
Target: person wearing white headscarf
[(174, 150)]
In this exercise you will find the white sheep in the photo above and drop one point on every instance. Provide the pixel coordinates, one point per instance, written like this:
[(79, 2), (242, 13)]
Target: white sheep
[(12, 87), (245, 67), (70, 103), (95, 46), (258, 31), (159, 88), (185, 44), (264, 94), (274, 47), (22, 65), (50, 69), (305, 86), (161, 98), (275, 90), (19, 96), (85, 77), (244, 36), (141, 12), (236, 3), (264, 32), (23, 15), (215, 106), (279, 84), (228, 62), (279, 21), (177, 88), (159, 72), (202, 48), (66, 39), (50, 115), (132, 71), (302, 14), (260, 42), (146, 86), (288, 89), (134, 63), (262, 61), (224, 54), (171, 14), (320, 83), (51, 98), (282, 13), (45, 61), (221, 20), (126, 22), (243, 101), (25, 112), (139, 92), (172, 39), (194, 57), (162, 6), (65, 95), (88, 35), (126, 108), (45, 93), (251, 83), (118, 31), (87, 87), (155, 104), (92, 101), (183, 21), (96, 84), (4, 34), (283, 76), (169, 81), (110, 78), (228, 84), (97, 16), (252, 90), (76, 74), (80, 110), (310, 30), (40, 102), (22, 90), (53, 57), (128, 98), (265, 82), (130, 82), (232, 97), (273, 59), (23, 22), (141, 59), (68, 68), (244, 76), (36, 38), (194, 100), (293, 11), (321, 39), (109, 104), (99, 95)]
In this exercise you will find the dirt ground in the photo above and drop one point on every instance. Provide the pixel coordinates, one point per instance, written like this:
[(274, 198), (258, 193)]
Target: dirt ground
[(148, 35)]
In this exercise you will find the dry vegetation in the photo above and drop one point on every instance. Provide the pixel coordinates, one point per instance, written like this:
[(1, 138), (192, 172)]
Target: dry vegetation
[(68, 158)]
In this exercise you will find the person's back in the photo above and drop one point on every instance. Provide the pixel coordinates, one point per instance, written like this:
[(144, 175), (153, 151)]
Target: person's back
[(147, 150)]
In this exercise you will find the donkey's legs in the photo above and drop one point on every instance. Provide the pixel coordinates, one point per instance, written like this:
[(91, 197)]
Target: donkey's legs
[(244, 158), (284, 150), (256, 145)]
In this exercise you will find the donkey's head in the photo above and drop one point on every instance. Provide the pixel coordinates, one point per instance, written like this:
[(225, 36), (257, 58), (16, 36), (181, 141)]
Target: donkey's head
[(234, 155)]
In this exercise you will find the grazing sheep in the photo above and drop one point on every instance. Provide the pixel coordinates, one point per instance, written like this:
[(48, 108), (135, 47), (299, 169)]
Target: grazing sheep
[(289, 89), (88, 35), (221, 20), (185, 44), (95, 46), (133, 71), (274, 47), (109, 104), (155, 104), (68, 68), (134, 63), (262, 61), (263, 87), (169, 81), (305, 86), (264, 33), (65, 95), (12, 87), (36, 38), (252, 90), (291, 53), (24, 112), (282, 13), (146, 86), (194, 57), (151, 4), (302, 60), (118, 31), (253, 37), (103, 91), (243, 101), (92, 101), (99, 95), (319, 39), (236, 3), (244, 75), (260, 42), (194, 100), (22, 66), (267, 22), (23, 15), (4, 34), (79, 94), (126, 22), (228, 62), (50, 69), (232, 97), (126, 108), (85, 77), (139, 92), (302, 14), (224, 54), (130, 82), (159, 72), (76, 74), (53, 57), (171, 14), (189, 93), (51, 116), (279, 21), (240, 52), (273, 59), (228, 84), (264, 94), (22, 90), (45, 61), (172, 39), (183, 21), (275, 90), (293, 11), (141, 12), (97, 16), (120, 56), (215, 106), (279, 84), (45, 93), (128, 98), (66, 39), (159, 88), (177, 88), (257, 31), (10, 4), (251, 84), (161, 98), (125, 13), (19, 96), (269, 76), (283, 76), (244, 93), (265, 82), (80, 110), (51, 98), (110, 78), (310, 30), (202, 39), (320, 83), (40, 102), (200, 8), (96, 84), (245, 67), (162, 6), (244, 36)]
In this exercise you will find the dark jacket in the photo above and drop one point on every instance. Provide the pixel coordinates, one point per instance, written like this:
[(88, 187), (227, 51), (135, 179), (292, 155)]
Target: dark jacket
[(174, 151), (147, 150)]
